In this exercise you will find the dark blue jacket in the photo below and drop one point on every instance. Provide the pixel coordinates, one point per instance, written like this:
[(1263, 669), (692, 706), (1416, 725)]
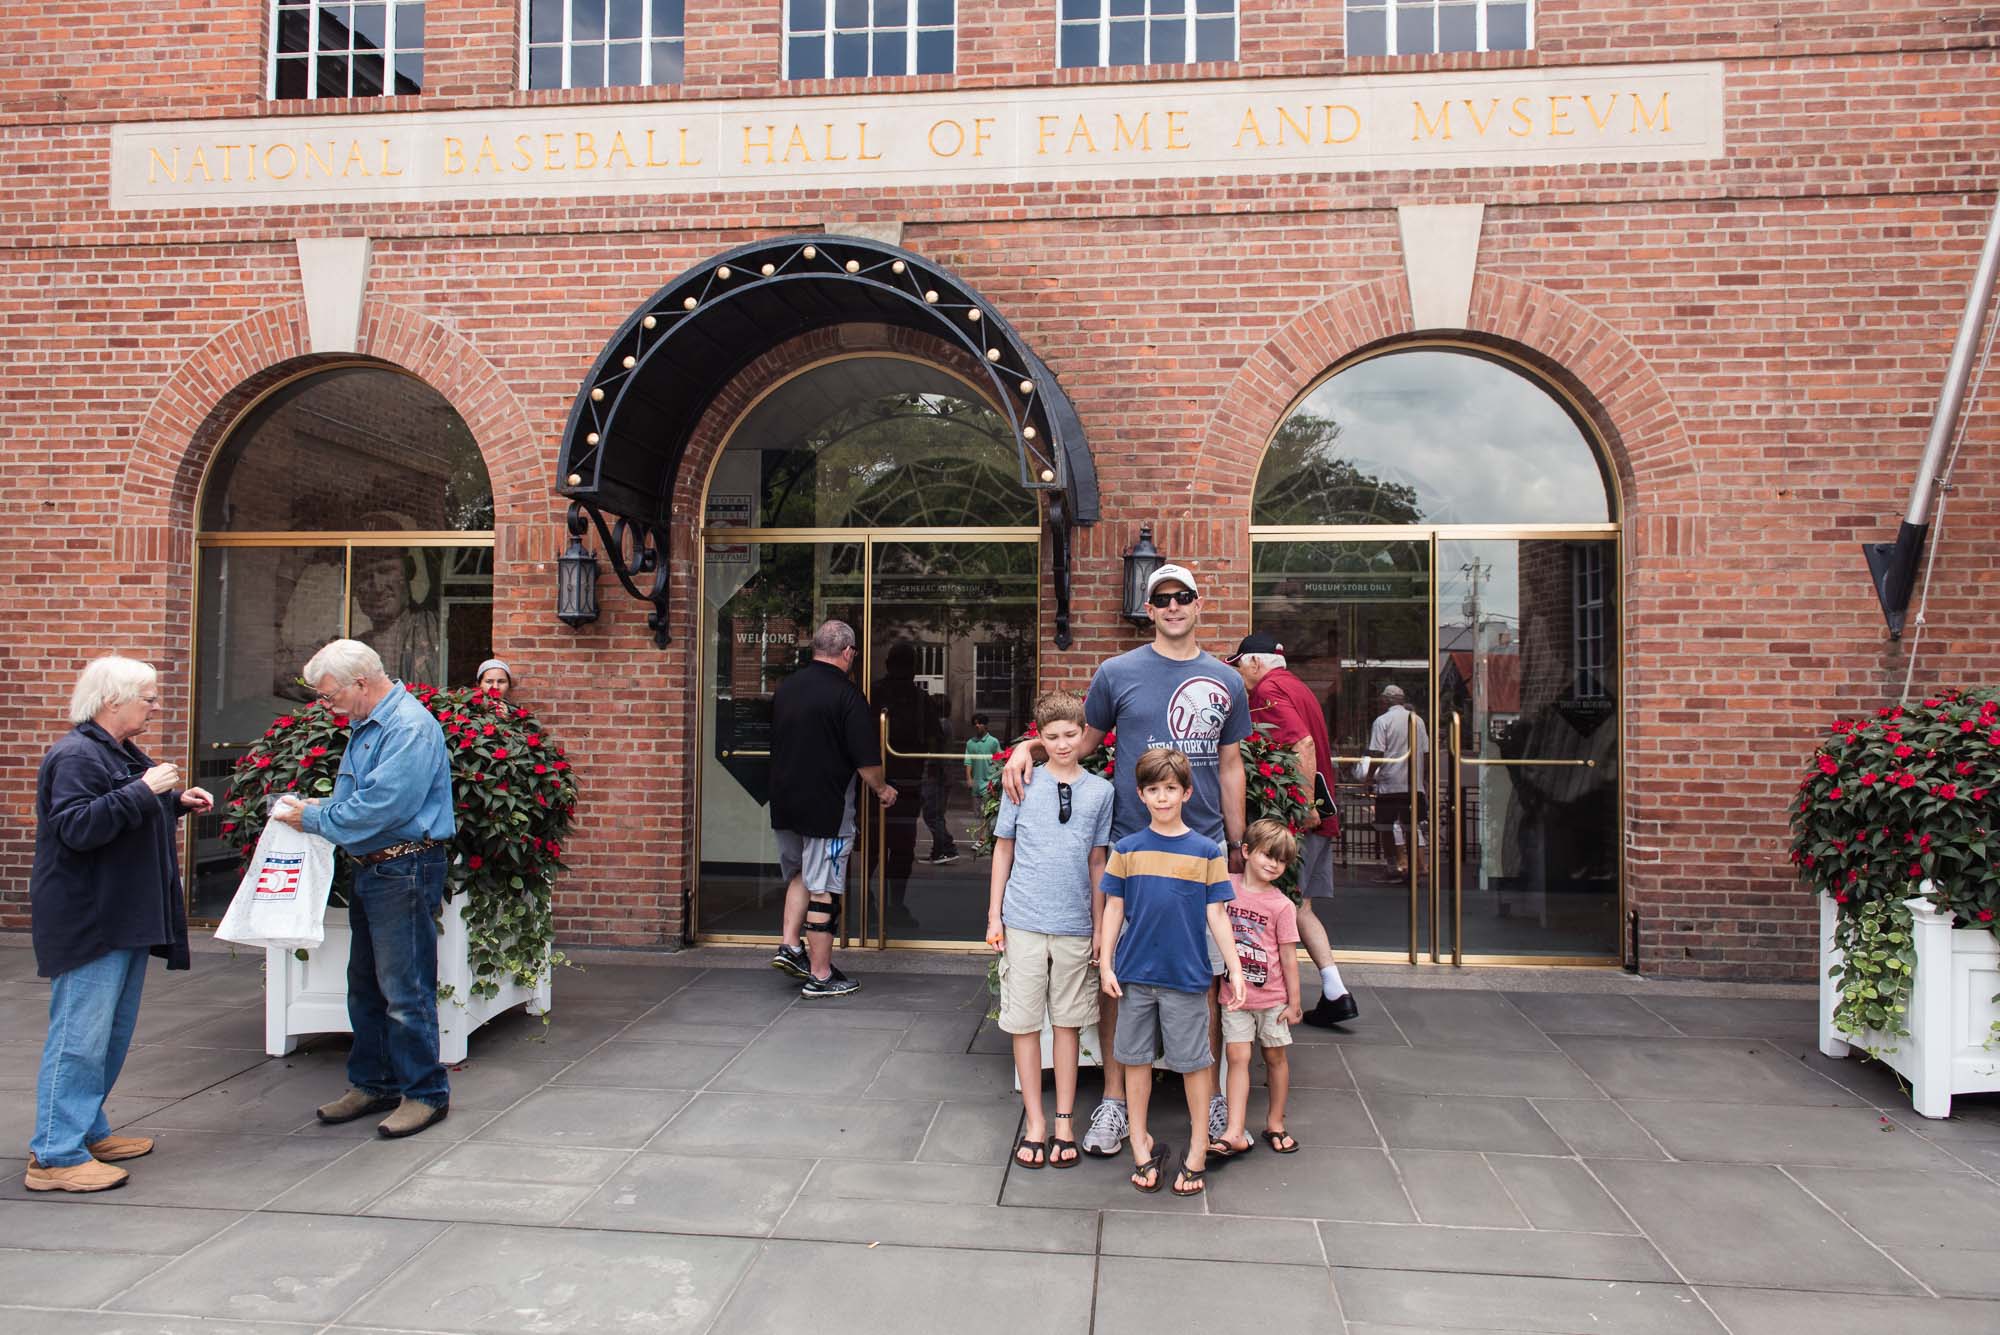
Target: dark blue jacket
[(107, 874)]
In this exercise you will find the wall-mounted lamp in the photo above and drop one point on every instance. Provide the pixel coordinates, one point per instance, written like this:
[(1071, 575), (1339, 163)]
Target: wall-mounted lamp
[(576, 575), (1140, 562)]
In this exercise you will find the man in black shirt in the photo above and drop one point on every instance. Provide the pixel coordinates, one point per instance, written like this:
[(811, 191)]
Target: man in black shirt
[(822, 742)]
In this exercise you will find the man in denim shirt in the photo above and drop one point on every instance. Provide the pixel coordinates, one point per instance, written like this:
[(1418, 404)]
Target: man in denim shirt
[(391, 812)]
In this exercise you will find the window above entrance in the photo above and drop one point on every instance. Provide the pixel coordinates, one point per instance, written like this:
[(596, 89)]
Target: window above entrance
[(1425, 27), (871, 442), (333, 48), (1431, 435), (1145, 32), (852, 39)]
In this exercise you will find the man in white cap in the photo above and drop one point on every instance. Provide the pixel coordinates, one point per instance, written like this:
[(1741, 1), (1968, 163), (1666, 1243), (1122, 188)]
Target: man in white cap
[(1398, 735), (1167, 693)]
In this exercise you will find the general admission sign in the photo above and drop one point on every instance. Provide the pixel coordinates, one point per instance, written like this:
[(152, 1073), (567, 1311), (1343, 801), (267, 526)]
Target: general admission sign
[(1137, 132)]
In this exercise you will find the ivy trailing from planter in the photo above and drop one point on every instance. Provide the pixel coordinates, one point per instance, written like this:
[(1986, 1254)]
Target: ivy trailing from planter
[(514, 794), (1878, 963)]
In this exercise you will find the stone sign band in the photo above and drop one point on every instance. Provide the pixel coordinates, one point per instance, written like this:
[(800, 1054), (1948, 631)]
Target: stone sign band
[(1242, 127)]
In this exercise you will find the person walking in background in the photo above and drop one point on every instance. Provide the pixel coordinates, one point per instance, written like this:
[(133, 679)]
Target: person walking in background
[(936, 786), (823, 741), (391, 812), (1399, 738), (979, 749), (104, 896), (1278, 698)]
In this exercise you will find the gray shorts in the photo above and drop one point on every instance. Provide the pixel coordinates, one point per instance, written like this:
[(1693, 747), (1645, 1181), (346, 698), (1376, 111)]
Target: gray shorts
[(1315, 867), (821, 862), (1155, 1020)]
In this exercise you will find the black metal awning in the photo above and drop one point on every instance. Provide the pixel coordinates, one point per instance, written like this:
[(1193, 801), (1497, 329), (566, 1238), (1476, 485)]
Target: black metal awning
[(644, 398)]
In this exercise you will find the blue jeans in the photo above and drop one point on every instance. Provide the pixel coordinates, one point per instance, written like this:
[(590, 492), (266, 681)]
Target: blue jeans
[(92, 1011), (392, 978)]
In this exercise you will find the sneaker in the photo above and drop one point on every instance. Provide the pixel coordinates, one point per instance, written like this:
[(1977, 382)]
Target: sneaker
[(835, 984), (410, 1117), (1106, 1137), (1333, 1010), (90, 1175), (113, 1148), (354, 1103), (1218, 1116), (943, 859), (792, 960)]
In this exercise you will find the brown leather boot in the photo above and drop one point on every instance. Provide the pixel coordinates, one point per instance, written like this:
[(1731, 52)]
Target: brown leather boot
[(354, 1103), (89, 1175), (413, 1116), (113, 1148)]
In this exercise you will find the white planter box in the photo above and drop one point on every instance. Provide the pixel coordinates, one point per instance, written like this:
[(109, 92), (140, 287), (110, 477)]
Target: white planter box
[(309, 996), (1951, 1010)]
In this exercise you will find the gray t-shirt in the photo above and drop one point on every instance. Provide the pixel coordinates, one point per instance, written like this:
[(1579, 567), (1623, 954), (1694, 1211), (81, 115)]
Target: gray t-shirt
[(1048, 889), (1198, 706)]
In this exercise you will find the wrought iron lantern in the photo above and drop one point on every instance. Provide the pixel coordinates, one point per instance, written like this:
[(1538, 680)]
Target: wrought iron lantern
[(576, 576), (1141, 560)]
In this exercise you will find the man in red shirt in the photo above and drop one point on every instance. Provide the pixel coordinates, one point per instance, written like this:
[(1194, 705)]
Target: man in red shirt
[(1279, 698)]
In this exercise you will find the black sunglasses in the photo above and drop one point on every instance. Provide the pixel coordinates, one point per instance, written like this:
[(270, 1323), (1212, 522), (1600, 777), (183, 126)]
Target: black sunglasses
[(1062, 803), (1181, 596)]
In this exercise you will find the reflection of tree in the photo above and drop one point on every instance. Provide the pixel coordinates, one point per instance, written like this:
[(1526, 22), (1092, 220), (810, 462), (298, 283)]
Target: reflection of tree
[(1304, 481), (899, 460)]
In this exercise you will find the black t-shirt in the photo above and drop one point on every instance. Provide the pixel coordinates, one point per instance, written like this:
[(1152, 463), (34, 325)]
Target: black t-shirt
[(821, 732)]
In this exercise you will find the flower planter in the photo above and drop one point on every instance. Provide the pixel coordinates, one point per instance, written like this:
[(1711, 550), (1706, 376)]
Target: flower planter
[(1951, 1011), (309, 996)]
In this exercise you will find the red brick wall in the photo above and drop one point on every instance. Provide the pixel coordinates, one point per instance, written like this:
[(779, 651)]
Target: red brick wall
[(1758, 339)]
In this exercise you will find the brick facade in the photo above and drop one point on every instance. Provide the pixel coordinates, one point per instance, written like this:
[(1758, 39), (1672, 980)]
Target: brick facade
[(1758, 339)]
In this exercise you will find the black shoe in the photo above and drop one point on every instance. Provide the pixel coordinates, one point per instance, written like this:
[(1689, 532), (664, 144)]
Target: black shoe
[(944, 859), (1333, 1010), (792, 960), (835, 984)]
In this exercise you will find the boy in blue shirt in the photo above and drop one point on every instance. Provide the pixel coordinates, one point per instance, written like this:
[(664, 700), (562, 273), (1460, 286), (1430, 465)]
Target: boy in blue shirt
[(1164, 890)]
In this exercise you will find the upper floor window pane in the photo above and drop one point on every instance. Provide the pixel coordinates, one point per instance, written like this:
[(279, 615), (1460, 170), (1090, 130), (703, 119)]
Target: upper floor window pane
[(1144, 32), (1426, 27), (338, 48), (604, 43), (851, 39)]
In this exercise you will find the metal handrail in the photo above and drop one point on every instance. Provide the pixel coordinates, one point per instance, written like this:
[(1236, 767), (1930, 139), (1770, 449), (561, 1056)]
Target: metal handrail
[(889, 750), (1471, 760), (725, 755)]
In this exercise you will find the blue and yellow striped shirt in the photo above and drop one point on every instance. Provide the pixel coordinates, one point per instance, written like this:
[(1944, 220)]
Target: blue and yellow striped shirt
[(1167, 883)]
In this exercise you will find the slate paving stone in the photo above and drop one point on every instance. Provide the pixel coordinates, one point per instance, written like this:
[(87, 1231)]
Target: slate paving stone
[(829, 1063), (1485, 1021), (981, 1130), (1211, 1237), (1748, 1133), (1453, 1188), (1597, 1129), (178, 1071), (890, 1290), (1588, 1013), (1493, 1251), (1323, 1117), (1094, 1184), (571, 1032), (350, 1183), (1745, 1224), (158, 1230), (606, 1118), (627, 1065), (943, 1184), (1313, 1067), (522, 1163), (943, 1031), (1372, 1027), (1897, 1209), (940, 1075), (667, 1193), (1145, 1296), (1311, 1184), (1737, 1017), (1486, 1302), (17, 1114), (844, 1016), (648, 1030), (44, 1278), (193, 1024), (918, 992), (211, 1170), (783, 1127), (1463, 1122), (281, 1267), (452, 1199), (697, 1005), (1558, 1194), (1953, 1272), (936, 1224), (497, 1083), (1874, 1082), (43, 1321), (484, 1280), (619, 982), (1451, 1071), (1791, 1312), (20, 1064), (1701, 1070)]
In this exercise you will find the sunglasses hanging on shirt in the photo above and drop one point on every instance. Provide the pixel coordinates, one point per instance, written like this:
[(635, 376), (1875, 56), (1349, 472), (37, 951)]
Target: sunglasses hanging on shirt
[(1062, 803)]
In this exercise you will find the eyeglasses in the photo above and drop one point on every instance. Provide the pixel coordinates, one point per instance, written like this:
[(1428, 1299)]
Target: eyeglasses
[(1062, 803), (1181, 596)]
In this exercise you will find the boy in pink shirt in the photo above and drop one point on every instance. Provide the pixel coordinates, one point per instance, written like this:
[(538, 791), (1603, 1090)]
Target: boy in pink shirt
[(1266, 927)]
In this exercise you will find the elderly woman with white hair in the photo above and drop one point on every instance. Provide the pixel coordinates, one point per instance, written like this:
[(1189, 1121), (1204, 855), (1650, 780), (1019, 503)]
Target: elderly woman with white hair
[(105, 895)]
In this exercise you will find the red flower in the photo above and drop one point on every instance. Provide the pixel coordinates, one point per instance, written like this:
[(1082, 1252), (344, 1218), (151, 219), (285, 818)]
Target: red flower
[(488, 730), (228, 825), (1962, 768), (1985, 915), (1916, 869), (465, 744), (1932, 704), (1111, 738), (1265, 768), (1903, 751), (1979, 794), (1835, 793), (541, 769), (499, 753), (1000, 756), (340, 720), (1946, 790), (317, 752), (555, 849), (263, 762), (475, 862), (1828, 765), (534, 739), (1906, 780), (1270, 792), (283, 721), (1868, 779)]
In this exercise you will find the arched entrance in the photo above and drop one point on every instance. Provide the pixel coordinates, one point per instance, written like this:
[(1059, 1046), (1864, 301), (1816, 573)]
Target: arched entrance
[(348, 500), (882, 490), (1438, 517)]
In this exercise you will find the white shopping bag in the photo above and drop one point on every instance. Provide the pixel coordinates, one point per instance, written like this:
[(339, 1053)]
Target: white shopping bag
[(282, 899)]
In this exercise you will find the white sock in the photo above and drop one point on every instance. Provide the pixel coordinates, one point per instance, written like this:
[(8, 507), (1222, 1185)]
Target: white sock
[(1330, 985)]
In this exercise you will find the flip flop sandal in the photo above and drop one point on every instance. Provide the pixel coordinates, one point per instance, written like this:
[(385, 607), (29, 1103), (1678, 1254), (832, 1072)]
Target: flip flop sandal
[(1057, 1145), (1221, 1151), (1040, 1147), (1281, 1142), (1194, 1175), (1157, 1166)]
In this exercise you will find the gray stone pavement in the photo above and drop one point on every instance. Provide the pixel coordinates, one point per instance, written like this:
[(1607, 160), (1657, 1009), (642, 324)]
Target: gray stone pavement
[(687, 1147)]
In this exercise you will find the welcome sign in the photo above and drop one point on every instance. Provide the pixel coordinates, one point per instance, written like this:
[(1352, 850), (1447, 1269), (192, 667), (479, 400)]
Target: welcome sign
[(1020, 136)]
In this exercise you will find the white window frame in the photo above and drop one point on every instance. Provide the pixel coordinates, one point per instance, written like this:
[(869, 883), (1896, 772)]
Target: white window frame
[(909, 29), (1590, 629), (312, 52), (1389, 8), (1103, 24), (644, 41)]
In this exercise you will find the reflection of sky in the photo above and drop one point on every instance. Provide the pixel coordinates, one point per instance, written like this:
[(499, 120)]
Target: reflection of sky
[(1481, 443), (1499, 580)]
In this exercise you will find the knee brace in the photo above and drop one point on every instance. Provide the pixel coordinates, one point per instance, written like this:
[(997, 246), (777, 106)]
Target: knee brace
[(822, 913)]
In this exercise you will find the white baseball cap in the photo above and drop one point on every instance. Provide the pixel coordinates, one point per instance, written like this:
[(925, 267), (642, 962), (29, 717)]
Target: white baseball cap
[(1181, 574)]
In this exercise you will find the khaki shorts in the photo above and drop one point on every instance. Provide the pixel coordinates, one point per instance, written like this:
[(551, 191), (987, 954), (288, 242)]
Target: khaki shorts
[(1266, 1028), (1046, 975)]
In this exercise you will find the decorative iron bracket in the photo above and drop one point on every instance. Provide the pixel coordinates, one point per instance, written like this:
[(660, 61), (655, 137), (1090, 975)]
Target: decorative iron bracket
[(636, 550), (1062, 545)]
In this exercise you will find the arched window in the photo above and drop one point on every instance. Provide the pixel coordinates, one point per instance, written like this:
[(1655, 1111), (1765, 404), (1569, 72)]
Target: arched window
[(348, 501), (1431, 436)]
